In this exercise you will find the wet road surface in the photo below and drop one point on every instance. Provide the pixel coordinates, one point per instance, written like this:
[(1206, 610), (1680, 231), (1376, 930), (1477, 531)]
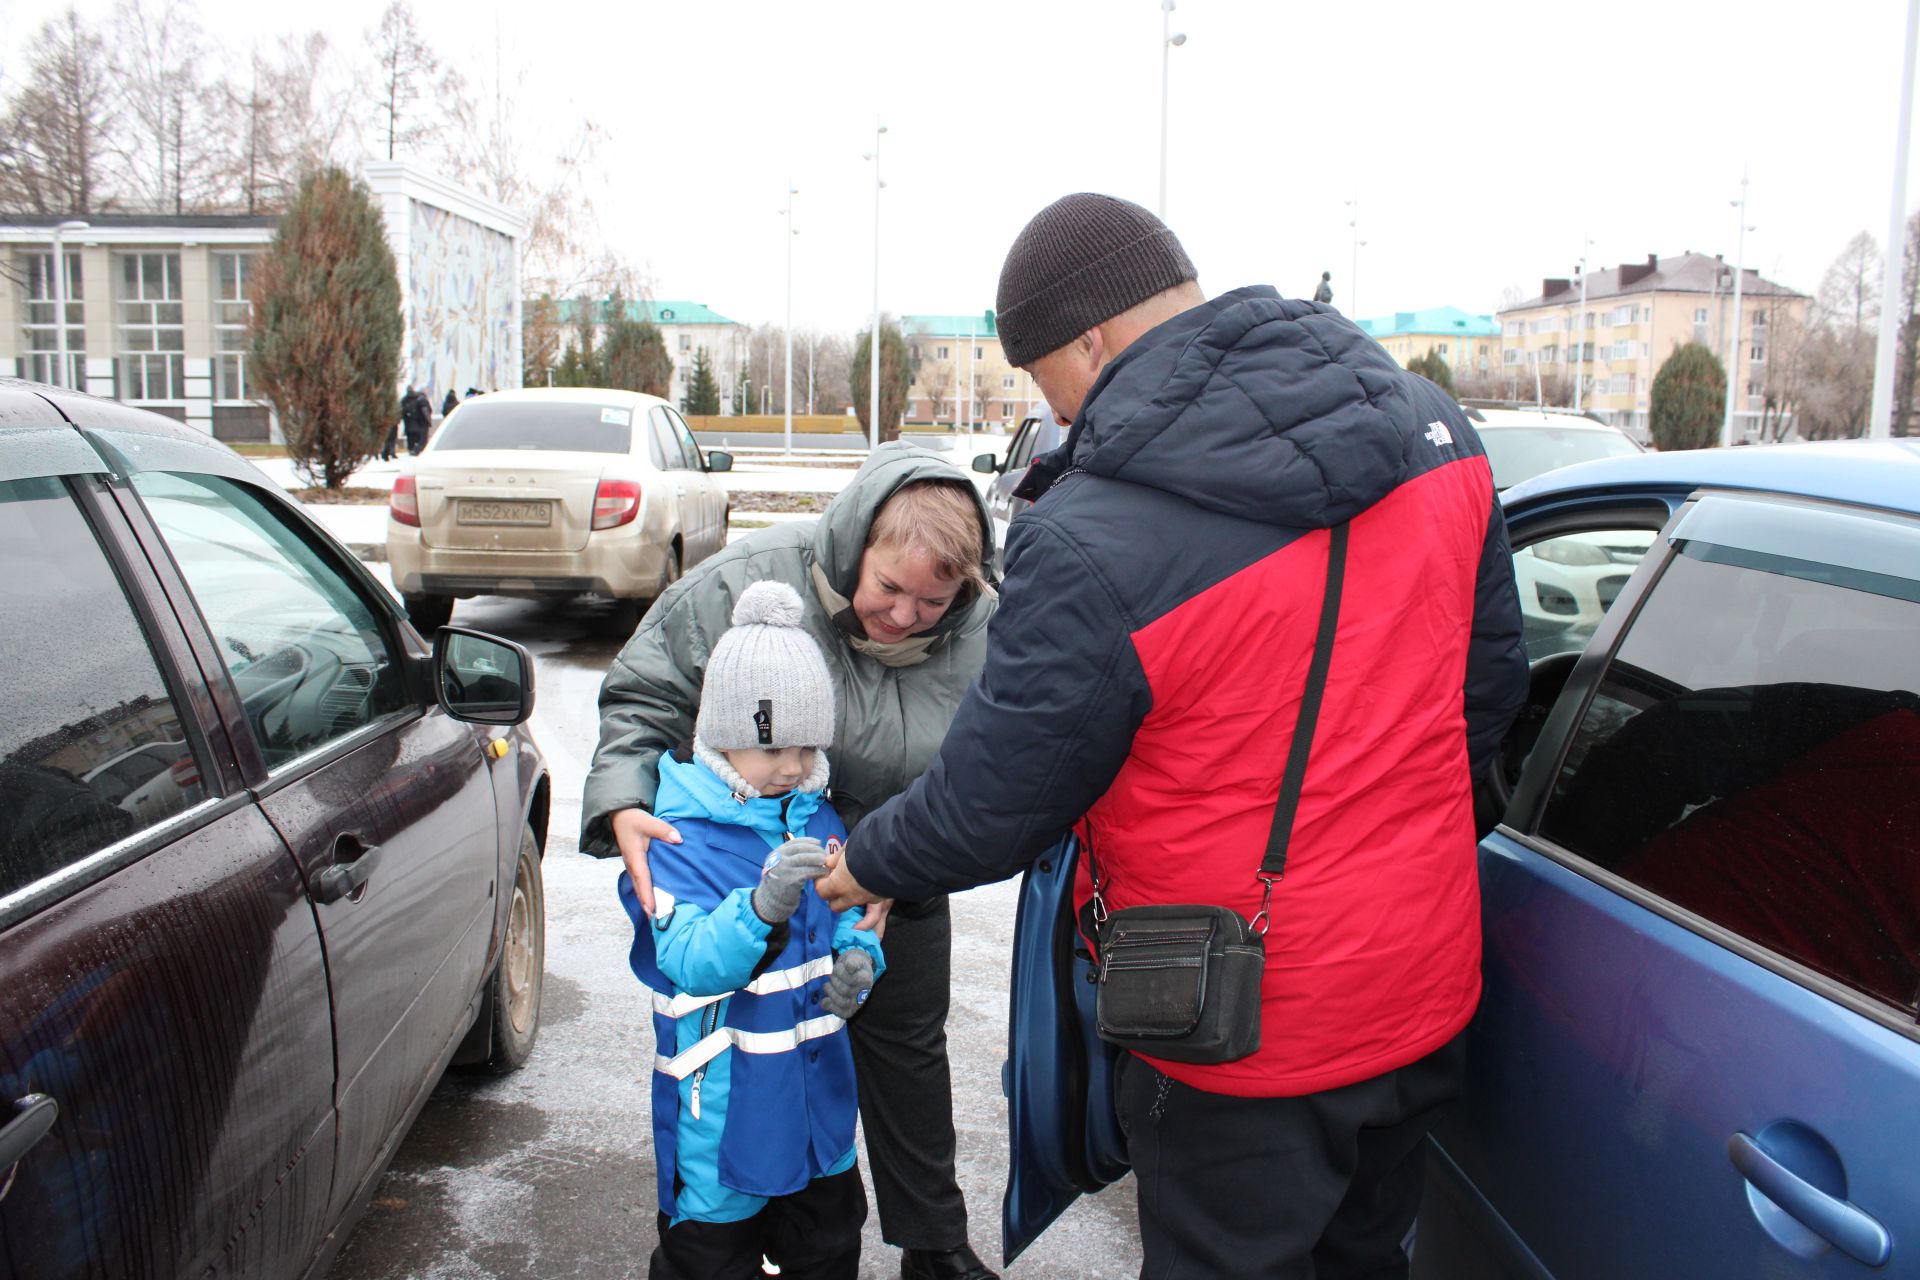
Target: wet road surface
[(549, 1172)]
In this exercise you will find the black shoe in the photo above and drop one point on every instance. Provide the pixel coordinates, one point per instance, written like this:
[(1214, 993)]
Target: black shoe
[(950, 1264)]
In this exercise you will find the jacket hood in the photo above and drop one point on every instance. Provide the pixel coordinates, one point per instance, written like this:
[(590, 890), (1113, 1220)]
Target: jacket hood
[(1257, 406), (688, 789), (840, 535)]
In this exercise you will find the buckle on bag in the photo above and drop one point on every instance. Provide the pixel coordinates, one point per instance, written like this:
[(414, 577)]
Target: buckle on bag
[(1261, 918)]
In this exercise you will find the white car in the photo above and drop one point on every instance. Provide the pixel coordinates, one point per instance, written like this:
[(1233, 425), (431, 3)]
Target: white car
[(554, 492)]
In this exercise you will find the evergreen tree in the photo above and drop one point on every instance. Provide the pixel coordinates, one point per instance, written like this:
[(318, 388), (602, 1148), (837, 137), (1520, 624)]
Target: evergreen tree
[(1434, 369), (896, 375), (703, 393), (634, 355), (1689, 399), (326, 328), (582, 365)]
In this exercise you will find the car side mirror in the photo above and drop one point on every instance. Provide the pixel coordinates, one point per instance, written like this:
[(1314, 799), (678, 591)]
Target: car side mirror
[(987, 464), (718, 460), (482, 678)]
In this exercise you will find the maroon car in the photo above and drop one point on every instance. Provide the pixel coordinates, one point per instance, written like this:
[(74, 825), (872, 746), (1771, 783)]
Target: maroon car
[(269, 862)]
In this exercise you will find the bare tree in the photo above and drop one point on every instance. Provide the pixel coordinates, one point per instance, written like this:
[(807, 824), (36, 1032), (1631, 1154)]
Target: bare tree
[(54, 135), (936, 383), (1907, 367), (291, 115), (1850, 291), (1789, 332), (832, 357), (409, 73), (171, 120), (1836, 360)]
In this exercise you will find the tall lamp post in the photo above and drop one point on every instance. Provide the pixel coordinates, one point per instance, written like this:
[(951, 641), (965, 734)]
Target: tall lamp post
[(61, 377), (1169, 40), (873, 337), (1580, 331), (792, 191), (1733, 347)]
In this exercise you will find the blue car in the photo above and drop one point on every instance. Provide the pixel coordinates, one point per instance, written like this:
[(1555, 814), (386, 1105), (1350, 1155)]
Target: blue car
[(1696, 1054)]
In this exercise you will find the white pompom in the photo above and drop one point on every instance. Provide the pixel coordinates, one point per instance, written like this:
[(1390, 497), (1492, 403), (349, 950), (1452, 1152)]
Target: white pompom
[(772, 604)]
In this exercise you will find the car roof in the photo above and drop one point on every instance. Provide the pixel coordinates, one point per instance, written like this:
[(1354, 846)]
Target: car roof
[(582, 395), (38, 437), (1495, 419), (1874, 473)]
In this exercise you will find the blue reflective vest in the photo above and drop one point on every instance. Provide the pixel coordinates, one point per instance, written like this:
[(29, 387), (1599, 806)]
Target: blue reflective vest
[(753, 1092)]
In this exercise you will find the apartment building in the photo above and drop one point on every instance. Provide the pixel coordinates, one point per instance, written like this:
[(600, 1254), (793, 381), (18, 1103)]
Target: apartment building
[(960, 373), (158, 305), (1633, 318), (1467, 342), (686, 327)]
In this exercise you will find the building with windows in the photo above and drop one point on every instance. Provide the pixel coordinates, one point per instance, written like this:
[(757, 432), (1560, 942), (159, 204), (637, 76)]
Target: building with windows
[(158, 306), (687, 327), (1633, 318), (1467, 342), (961, 375)]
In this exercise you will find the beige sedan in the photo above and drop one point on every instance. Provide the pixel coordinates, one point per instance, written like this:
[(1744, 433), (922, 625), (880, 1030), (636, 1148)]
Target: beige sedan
[(554, 492)]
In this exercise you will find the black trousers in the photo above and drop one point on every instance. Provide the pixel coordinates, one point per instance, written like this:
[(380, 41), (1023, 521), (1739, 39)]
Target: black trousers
[(1320, 1187), (813, 1234), (906, 1085)]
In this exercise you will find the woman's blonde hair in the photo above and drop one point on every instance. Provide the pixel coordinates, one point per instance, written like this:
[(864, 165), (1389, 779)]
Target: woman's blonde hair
[(937, 517)]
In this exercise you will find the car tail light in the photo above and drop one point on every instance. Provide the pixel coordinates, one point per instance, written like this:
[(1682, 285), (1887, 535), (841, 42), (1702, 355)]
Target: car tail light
[(405, 507), (185, 772), (615, 502)]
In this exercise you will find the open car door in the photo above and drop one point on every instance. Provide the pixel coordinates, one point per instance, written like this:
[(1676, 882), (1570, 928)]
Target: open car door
[(1058, 1078)]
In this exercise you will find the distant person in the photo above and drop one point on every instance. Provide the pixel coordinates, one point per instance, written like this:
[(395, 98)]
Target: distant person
[(1323, 292), (471, 392), (754, 1150), (451, 403), (416, 415)]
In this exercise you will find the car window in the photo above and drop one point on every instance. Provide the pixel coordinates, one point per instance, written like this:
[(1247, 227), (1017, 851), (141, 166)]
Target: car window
[(541, 425), (306, 652), (1752, 754), (1022, 452), (667, 440), (96, 747), (1521, 453), (688, 445), (1567, 584), (657, 445)]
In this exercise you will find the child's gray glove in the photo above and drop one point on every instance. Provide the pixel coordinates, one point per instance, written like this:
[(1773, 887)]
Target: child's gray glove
[(785, 876), (851, 981)]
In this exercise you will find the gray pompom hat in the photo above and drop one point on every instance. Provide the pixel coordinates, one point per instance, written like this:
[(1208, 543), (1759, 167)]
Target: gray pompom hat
[(766, 683)]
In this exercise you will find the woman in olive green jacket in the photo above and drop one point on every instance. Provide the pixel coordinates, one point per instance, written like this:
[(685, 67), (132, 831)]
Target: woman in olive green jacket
[(903, 632)]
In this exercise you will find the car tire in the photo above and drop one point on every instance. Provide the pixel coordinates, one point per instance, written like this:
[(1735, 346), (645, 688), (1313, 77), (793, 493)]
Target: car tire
[(671, 573), (428, 613), (513, 992)]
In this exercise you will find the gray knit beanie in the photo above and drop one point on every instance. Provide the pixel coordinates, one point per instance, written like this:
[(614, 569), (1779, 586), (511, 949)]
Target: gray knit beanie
[(766, 683), (1082, 260)]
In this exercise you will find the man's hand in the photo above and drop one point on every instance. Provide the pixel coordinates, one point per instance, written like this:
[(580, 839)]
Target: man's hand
[(633, 831), (841, 890), (788, 869), (851, 981)]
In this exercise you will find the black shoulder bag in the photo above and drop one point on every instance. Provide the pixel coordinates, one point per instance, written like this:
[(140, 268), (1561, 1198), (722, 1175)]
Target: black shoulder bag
[(1183, 982)]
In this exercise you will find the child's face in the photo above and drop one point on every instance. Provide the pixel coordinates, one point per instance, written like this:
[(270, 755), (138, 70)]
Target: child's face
[(772, 771)]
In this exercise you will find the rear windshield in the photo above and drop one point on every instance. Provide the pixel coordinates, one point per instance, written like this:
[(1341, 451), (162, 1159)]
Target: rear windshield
[(1521, 453), (566, 426)]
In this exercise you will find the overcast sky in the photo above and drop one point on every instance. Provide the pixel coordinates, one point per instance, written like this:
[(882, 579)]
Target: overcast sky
[(1484, 143)]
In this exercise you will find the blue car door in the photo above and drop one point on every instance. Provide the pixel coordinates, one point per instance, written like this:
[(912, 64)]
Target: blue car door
[(1696, 1053), (1058, 1078)]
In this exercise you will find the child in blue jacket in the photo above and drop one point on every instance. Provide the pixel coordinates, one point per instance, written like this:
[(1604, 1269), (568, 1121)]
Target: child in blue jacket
[(753, 976)]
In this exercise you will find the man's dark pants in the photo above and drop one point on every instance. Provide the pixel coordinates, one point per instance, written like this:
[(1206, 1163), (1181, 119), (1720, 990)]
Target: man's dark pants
[(813, 1234), (1319, 1187), (906, 1086)]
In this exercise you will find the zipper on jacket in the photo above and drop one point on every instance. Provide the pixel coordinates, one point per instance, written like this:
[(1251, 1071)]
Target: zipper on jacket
[(709, 1023)]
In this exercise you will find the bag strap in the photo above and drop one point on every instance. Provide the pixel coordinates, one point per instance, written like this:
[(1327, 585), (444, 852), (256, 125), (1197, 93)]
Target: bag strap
[(1275, 863)]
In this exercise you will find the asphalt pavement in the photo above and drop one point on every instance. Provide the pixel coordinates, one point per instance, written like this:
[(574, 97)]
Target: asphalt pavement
[(549, 1172)]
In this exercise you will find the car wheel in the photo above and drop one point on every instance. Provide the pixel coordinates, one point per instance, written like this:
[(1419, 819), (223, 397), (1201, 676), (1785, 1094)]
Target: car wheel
[(428, 613), (671, 574), (513, 996)]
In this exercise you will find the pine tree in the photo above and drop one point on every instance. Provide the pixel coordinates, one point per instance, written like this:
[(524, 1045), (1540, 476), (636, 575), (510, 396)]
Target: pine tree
[(703, 393), (634, 355), (1689, 399), (326, 328), (581, 365), (896, 375), (1434, 369)]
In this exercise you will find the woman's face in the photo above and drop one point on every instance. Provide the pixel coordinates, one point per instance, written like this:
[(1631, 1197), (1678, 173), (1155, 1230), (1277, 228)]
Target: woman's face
[(901, 593)]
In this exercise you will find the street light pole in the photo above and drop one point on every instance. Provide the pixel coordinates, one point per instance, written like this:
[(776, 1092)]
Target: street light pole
[(1879, 425), (1733, 347), (792, 191), (61, 378), (873, 336), (1169, 40), (1580, 332)]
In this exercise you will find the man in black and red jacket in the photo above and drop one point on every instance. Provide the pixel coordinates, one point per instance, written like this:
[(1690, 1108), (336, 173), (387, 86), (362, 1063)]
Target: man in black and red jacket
[(1143, 677)]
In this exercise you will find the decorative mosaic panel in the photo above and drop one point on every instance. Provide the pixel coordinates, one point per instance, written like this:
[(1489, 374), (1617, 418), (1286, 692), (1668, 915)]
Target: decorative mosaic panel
[(463, 280)]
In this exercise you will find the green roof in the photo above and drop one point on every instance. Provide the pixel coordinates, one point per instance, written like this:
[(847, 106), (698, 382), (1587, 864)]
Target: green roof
[(1434, 320), (658, 310), (980, 325)]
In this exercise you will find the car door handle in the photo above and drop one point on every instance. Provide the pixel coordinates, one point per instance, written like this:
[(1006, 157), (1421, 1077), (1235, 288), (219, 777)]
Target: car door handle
[(1849, 1229), (33, 1117), (350, 872)]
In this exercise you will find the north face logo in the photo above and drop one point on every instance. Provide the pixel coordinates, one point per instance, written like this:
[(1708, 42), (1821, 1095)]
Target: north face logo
[(1439, 435)]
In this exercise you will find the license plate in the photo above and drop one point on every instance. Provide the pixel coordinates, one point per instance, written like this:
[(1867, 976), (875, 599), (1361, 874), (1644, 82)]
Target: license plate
[(472, 512)]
